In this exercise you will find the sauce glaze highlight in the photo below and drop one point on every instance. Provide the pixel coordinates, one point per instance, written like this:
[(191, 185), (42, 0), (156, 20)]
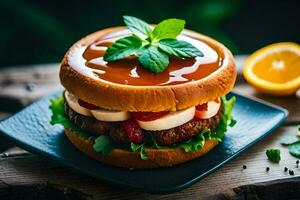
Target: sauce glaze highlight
[(129, 71)]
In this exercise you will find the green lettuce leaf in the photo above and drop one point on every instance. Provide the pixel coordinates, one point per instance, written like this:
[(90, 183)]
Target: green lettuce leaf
[(104, 145), (197, 142), (226, 120), (141, 148), (194, 144), (59, 117)]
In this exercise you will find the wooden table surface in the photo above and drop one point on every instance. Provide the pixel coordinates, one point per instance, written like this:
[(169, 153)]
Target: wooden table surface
[(28, 176)]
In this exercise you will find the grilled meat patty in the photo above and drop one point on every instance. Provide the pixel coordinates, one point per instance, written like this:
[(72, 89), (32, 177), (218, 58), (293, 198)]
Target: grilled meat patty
[(164, 138), (188, 130), (88, 124), (96, 127), (118, 134)]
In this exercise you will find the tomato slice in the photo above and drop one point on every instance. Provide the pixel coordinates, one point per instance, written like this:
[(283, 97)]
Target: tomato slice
[(87, 105), (148, 116), (134, 132), (202, 107)]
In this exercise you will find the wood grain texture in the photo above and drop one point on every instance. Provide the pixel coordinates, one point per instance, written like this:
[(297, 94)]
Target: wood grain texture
[(18, 87), (271, 190), (24, 169)]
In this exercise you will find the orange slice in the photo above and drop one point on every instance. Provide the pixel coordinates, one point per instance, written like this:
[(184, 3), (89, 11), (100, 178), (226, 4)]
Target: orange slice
[(275, 69)]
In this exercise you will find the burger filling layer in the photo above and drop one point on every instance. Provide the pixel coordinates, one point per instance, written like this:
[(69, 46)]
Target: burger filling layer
[(138, 131)]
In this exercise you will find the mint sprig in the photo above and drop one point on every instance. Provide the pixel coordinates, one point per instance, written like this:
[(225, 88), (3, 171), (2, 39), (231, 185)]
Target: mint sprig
[(123, 48), (152, 47)]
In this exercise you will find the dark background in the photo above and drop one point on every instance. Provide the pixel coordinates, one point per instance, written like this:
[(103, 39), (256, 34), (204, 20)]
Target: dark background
[(41, 31)]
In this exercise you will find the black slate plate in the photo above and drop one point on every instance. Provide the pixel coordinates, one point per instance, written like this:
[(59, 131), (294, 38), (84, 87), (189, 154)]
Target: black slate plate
[(31, 130)]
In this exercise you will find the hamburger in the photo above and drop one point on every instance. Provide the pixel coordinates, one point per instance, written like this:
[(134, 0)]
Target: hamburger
[(145, 96)]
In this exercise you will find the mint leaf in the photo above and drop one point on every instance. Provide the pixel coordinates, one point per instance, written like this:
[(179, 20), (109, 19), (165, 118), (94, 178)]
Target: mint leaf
[(154, 59), (226, 119), (138, 27), (123, 48), (178, 48), (103, 144), (294, 149), (168, 29), (273, 155)]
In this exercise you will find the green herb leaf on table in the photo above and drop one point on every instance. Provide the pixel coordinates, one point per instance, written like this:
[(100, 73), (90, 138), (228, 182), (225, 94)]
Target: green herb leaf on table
[(123, 48), (103, 144), (294, 149), (154, 59), (273, 155), (169, 28), (157, 44), (287, 140), (178, 48), (232, 122), (138, 27)]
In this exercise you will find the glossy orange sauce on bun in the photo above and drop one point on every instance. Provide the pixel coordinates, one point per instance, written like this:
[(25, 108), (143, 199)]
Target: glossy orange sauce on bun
[(88, 60)]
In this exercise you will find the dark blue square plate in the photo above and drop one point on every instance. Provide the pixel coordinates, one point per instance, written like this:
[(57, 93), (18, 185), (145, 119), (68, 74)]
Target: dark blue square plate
[(31, 130)]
